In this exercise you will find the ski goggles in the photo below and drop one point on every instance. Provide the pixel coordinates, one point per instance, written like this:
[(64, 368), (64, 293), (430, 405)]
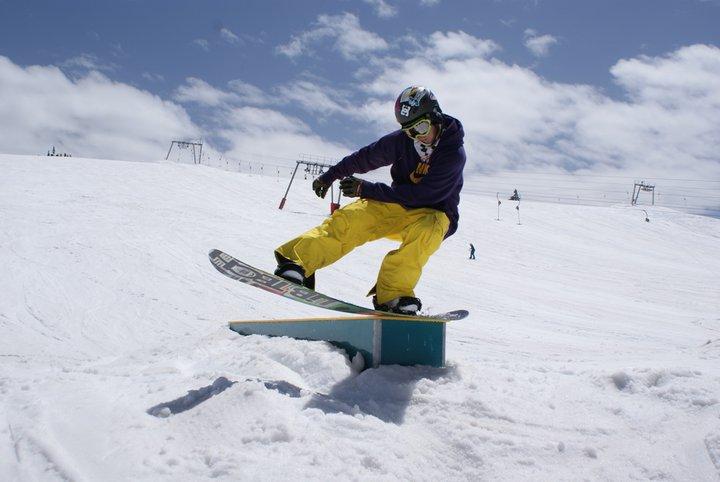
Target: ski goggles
[(419, 128)]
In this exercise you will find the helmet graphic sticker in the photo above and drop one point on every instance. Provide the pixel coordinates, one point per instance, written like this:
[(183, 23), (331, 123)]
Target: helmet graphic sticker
[(413, 96), (414, 103)]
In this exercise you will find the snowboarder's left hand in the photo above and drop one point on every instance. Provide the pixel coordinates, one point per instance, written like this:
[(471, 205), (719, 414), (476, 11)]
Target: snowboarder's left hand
[(320, 188), (351, 186)]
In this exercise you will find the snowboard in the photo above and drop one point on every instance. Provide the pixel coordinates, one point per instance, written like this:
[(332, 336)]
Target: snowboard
[(243, 272)]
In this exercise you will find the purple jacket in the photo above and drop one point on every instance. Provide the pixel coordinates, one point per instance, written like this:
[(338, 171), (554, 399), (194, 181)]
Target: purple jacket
[(436, 184)]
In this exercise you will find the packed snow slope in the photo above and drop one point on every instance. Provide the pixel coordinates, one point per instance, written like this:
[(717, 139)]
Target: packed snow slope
[(592, 350)]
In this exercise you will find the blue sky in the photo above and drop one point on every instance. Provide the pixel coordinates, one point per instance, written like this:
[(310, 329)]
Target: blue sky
[(538, 84)]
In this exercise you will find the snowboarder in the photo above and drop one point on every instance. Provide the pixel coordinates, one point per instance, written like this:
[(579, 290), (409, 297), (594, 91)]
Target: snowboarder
[(472, 251), (515, 196), (419, 208)]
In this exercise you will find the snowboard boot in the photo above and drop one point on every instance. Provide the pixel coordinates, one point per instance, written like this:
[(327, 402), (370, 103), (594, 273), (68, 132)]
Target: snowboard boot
[(405, 305), (293, 272)]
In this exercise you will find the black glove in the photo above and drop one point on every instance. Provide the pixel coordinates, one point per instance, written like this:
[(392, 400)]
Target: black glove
[(320, 188), (351, 186)]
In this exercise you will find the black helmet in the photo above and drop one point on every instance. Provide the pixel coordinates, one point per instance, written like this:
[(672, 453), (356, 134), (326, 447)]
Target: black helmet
[(416, 102)]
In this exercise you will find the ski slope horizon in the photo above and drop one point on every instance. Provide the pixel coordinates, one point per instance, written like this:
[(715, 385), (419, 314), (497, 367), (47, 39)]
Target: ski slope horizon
[(591, 351)]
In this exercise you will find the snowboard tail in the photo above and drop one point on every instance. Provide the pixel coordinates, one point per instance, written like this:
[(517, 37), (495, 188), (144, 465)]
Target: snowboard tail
[(243, 272)]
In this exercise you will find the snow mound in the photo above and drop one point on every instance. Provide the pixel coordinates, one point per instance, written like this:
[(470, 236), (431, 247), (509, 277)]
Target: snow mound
[(591, 350)]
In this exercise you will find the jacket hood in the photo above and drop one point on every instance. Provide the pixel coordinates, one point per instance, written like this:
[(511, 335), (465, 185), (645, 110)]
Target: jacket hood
[(452, 134)]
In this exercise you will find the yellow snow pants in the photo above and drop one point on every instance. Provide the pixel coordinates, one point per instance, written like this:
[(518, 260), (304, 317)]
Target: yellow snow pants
[(420, 231)]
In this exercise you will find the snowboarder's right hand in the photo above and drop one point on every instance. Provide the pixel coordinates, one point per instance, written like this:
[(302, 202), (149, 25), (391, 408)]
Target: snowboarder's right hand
[(320, 188)]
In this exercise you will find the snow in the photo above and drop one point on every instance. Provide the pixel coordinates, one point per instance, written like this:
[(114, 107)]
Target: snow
[(592, 350)]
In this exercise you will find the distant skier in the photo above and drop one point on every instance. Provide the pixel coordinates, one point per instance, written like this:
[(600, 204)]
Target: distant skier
[(472, 251), (515, 196), (419, 208)]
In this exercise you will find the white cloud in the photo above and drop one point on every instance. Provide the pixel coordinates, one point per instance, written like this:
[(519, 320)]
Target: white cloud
[(303, 94), (685, 75), (345, 33), (294, 48), (117, 50), (93, 116), (87, 62), (315, 98), (665, 126), (539, 45), (153, 77), (249, 121), (459, 45), (202, 43), (256, 120), (515, 118), (249, 94), (382, 8), (90, 116), (429, 3), (228, 36), (200, 92), (268, 132), (351, 39)]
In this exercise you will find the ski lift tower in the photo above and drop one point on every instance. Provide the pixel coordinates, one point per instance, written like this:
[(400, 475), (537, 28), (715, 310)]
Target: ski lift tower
[(314, 168), (641, 186), (197, 159)]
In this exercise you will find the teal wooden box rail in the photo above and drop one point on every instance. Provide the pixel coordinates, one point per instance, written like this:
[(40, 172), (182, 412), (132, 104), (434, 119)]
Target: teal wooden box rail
[(380, 341)]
